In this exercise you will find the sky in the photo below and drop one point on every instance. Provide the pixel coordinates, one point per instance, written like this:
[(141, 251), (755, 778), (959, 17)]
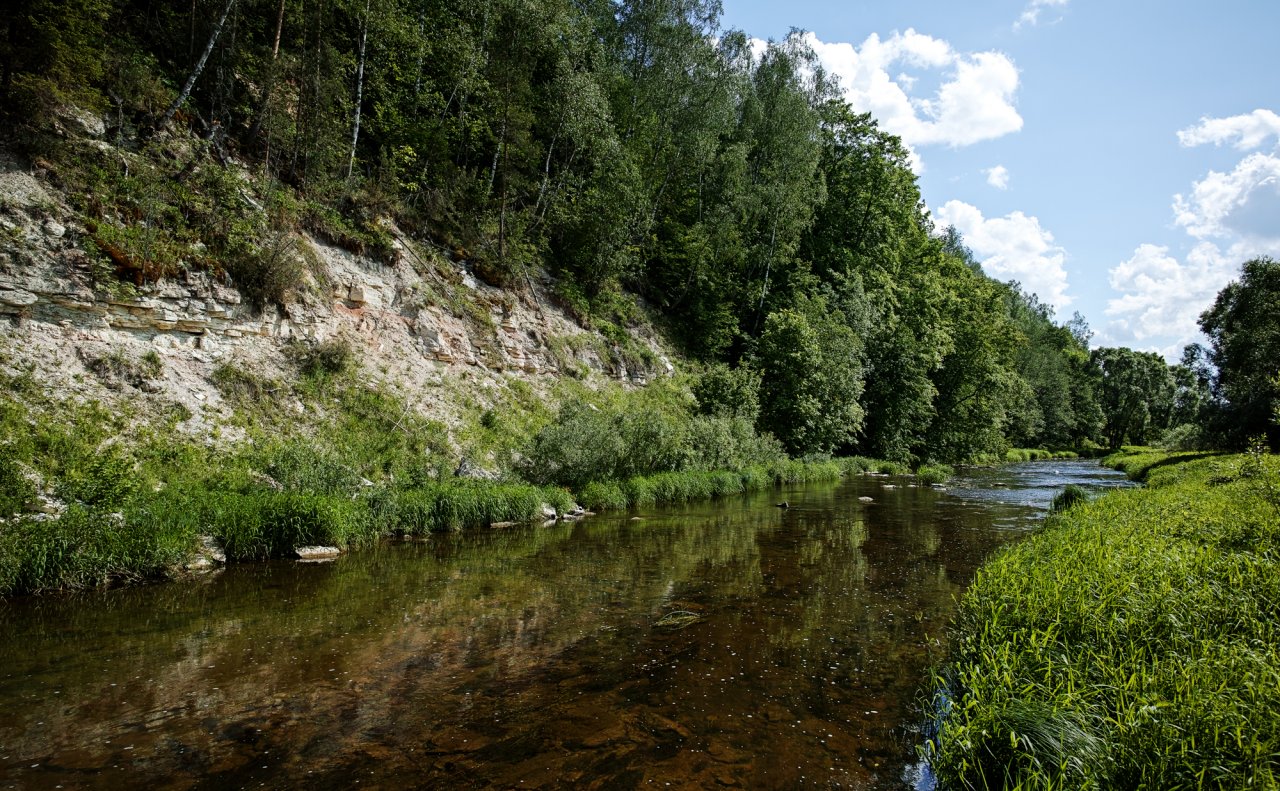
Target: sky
[(1118, 158)]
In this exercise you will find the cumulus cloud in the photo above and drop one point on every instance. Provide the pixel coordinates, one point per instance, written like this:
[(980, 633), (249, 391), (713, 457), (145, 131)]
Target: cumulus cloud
[(1232, 218), (1245, 132), (1161, 298), (1031, 14), (975, 101), (1242, 204), (998, 177), (1013, 247)]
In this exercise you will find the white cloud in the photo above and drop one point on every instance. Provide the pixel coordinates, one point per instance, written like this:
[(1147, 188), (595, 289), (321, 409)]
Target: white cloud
[(974, 102), (1013, 247), (998, 177), (1248, 131), (1161, 298), (1233, 218), (1242, 204), (1031, 14)]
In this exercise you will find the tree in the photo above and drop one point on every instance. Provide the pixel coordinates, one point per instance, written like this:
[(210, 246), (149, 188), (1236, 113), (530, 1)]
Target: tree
[(811, 367), (1244, 336), (1136, 390)]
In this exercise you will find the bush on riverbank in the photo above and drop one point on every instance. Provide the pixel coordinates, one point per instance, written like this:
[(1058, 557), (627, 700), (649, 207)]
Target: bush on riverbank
[(934, 473), (1133, 643)]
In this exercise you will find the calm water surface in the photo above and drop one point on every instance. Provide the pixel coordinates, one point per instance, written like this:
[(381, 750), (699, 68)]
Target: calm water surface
[(728, 644)]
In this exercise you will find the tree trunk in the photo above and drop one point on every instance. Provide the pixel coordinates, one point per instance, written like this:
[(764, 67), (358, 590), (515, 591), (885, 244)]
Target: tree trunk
[(195, 73), (355, 126), (266, 92)]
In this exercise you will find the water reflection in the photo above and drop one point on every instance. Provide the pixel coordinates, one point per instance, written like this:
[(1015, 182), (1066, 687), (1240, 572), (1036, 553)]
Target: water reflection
[(730, 644)]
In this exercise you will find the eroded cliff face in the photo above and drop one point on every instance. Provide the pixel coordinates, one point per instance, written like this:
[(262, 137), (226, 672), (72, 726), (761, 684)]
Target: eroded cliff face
[(420, 323)]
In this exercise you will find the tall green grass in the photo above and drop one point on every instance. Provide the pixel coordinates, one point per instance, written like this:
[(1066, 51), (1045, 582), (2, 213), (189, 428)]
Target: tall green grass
[(934, 473), (663, 488), (1133, 643), (457, 505)]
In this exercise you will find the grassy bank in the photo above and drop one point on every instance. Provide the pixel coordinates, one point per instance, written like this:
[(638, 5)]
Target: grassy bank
[(92, 494), (1133, 643)]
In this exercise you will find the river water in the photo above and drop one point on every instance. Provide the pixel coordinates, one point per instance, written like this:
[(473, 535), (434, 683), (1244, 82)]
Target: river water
[(728, 644)]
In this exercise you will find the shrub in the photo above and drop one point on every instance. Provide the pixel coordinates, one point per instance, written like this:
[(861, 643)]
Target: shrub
[(327, 358), (301, 466), (588, 442), (890, 468), (105, 480), (640, 492), (265, 266), (1183, 437), (857, 464), (599, 496), (1068, 497), (934, 473), (16, 490), (727, 392)]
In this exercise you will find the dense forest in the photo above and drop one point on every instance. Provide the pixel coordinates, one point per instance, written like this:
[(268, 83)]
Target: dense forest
[(638, 152)]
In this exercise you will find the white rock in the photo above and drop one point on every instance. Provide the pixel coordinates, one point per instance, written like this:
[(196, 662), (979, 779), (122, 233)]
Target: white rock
[(18, 298), (316, 553), (54, 228)]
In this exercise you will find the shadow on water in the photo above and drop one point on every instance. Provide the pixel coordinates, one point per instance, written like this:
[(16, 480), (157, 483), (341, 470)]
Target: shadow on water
[(726, 644)]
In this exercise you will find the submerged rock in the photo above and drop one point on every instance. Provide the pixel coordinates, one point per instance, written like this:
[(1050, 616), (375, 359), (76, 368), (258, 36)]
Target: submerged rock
[(865, 499)]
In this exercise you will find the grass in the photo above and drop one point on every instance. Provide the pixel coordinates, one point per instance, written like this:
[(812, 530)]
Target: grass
[(934, 473), (644, 491), (1015, 455), (1133, 643)]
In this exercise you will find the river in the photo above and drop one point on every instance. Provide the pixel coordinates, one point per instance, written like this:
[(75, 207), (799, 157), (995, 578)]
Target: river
[(727, 644)]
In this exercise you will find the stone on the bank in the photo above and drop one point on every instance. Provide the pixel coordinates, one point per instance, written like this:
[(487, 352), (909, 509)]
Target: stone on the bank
[(207, 556), (316, 553)]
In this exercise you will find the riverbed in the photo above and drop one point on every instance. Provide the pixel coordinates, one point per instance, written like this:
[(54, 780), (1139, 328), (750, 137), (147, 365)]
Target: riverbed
[(728, 644)]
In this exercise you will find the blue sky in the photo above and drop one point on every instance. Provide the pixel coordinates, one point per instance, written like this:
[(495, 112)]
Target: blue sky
[(1120, 159)]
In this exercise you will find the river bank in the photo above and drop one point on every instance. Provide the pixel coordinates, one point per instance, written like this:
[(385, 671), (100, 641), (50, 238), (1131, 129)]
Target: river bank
[(1132, 643), (94, 494)]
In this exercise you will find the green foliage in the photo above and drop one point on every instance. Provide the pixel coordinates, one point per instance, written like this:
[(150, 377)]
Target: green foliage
[(1136, 394), (16, 489), (1244, 334), (934, 473), (300, 466), (332, 357), (811, 367), (85, 547), (456, 504), (104, 480), (599, 496), (693, 485), (587, 443), (1070, 496), (1069, 674), (727, 392)]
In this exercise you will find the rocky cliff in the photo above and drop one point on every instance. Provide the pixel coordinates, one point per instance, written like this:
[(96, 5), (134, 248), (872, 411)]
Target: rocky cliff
[(417, 319)]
